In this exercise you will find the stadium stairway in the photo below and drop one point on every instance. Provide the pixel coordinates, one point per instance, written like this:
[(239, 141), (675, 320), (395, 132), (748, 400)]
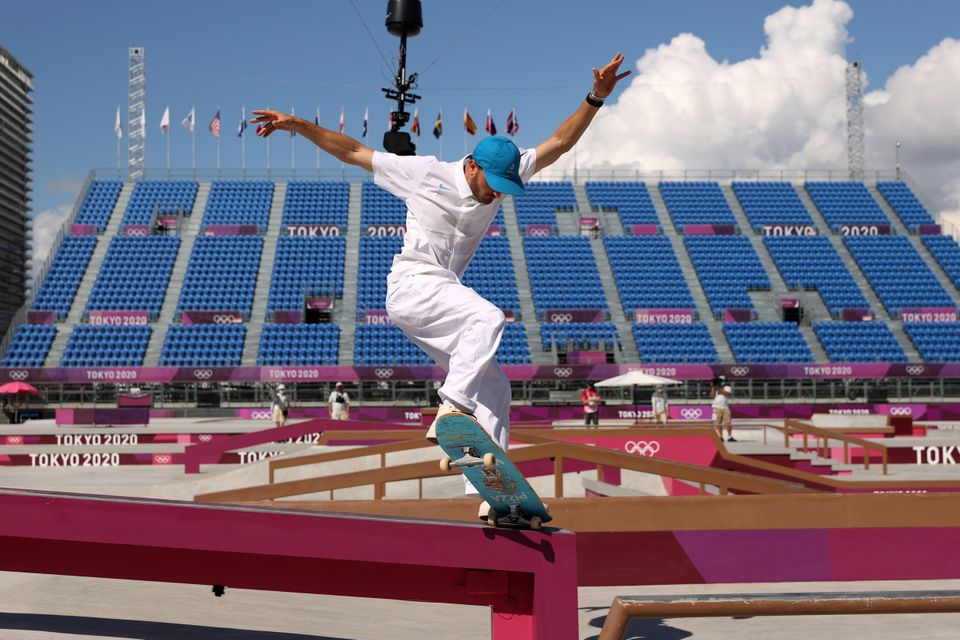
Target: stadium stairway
[(345, 313), (568, 222), (705, 313), (89, 277), (258, 314), (527, 312), (917, 243), (187, 239)]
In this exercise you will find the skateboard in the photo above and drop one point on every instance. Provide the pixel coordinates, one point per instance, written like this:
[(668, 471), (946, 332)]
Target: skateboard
[(469, 448)]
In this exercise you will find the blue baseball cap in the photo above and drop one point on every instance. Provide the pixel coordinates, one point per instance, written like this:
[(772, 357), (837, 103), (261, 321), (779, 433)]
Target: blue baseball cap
[(500, 160)]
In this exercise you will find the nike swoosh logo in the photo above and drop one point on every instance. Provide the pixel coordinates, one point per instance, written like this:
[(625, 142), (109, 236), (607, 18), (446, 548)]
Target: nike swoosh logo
[(444, 187)]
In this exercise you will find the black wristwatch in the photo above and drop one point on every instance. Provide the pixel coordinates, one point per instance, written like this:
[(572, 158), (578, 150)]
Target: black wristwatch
[(594, 101)]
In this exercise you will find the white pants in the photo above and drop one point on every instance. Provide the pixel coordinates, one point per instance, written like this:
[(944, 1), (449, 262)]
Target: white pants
[(461, 331)]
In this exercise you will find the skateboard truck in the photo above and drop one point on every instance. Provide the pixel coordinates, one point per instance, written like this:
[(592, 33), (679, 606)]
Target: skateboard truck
[(471, 458), (515, 516)]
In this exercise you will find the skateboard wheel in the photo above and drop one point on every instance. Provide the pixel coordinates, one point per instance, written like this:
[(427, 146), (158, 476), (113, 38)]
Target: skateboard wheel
[(445, 464), (492, 519), (536, 522), (489, 460)]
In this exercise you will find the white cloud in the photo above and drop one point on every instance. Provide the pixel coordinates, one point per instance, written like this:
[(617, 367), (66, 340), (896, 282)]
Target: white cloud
[(785, 108), (46, 226)]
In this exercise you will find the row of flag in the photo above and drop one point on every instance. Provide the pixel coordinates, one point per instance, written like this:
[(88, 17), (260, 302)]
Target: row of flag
[(469, 126)]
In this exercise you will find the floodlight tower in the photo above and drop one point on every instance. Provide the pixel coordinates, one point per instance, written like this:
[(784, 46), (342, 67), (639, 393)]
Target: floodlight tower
[(855, 129), (404, 18), (137, 114)]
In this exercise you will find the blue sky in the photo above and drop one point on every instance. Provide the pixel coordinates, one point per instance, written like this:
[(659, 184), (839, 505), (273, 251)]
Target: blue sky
[(533, 56)]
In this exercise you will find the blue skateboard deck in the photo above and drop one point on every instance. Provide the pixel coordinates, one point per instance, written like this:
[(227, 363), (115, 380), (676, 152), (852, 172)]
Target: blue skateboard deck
[(469, 448)]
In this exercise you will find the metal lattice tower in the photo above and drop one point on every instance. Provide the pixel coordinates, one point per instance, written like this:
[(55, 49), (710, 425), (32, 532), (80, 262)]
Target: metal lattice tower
[(137, 114), (855, 142)]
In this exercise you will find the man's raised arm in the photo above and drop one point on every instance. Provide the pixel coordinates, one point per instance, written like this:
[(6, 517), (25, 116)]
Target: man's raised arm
[(343, 148), (568, 133)]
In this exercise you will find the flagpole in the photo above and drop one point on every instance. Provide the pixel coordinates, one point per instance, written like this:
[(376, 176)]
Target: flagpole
[(243, 140), (193, 138), (218, 144), (441, 135), (118, 156), (293, 148), (464, 132), (268, 151), (316, 121)]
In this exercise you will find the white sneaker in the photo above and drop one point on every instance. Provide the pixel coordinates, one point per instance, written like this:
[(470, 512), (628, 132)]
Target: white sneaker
[(444, 409)]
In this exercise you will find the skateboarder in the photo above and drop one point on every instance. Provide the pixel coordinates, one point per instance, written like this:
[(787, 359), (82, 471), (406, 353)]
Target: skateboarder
[(449, 207)]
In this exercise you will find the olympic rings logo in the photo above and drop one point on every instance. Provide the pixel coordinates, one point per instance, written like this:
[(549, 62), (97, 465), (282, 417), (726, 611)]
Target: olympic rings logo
[(19, 374), (136, 232), (203, 374), (204, 437), (561, 317), (383, 374), (563, 372), (915, 369), (162, 458), (538, 232), (224, 319), (901, 411), (642, 447), (691, 414), (14, 439), (739, 371), (260, 415)]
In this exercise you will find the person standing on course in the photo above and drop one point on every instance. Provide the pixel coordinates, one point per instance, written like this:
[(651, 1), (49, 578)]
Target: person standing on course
[(590, 399), (339, 403), (280, 408)]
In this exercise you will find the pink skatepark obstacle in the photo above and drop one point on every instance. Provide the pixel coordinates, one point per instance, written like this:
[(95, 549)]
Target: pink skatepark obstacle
[(528, 578)]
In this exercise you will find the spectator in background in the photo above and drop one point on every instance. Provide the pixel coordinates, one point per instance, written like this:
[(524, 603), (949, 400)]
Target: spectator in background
[(339, 403), (281, 405), (659, 402), (721, 411), (590, 398)]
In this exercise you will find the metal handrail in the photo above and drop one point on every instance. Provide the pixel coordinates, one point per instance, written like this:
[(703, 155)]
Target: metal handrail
[(824, 436)]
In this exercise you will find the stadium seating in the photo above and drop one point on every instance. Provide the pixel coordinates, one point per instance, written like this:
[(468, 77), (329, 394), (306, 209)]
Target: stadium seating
[(203, 345), (904, 203), (728, 268), (106, 346), (579, 336), (563, 274), (936, 341), (64, 275), (897, 273), (630, 199), (299, 344), (767, 203), (134, 274), (379, 207), (812, 262), (376, 258), (689, 342), (306, 266), (540, 202), (514, 348), (29, 346), (222, 274), (317, 202), (946, 252), (647, 273), (491, 274), (239, 202), (98, 204), (767, 342), (159, 196), (859, 342), (846, 202), (386, 345), (696, 202)]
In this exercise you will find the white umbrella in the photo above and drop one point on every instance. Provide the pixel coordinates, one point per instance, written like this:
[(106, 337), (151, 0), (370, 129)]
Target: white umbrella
[(635, 379)]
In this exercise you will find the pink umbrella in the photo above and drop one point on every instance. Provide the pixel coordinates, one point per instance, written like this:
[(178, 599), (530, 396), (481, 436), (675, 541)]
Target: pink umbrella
[(18, 387)]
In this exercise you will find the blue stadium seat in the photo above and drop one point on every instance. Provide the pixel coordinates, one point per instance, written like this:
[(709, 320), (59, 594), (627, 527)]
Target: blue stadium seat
[(688, 342), (222, 274), (239, 202), (630, 199), (299, 345), (771, 203), (812, 262), (380, 207), (203, 345), (98, 203), (106, 346), (859, 342), (134, 274), (491, 274), (563, 274), (845, 202), (904, 203), (728, 268), (936, 341), (159, 196), (386, 345), (579, 336), (696, 202), (647, 273), (63, 278), (946, 252), (306, 266), (540, 202), (767, 342), (317, 202), (29, 346), (376, 258)]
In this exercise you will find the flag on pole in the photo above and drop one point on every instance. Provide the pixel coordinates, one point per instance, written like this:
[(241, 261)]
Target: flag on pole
[(490, 127), (438, 125), (242, 126), (165, 121), (188, 123), (316, 118), (468, 124), (513, 125), (293, 112), (118, 125), (415, 125), (366, 116), (214, 125), (341, 118)]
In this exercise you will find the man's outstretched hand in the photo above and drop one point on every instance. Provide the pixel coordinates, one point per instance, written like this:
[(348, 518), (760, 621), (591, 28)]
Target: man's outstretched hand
[(605, 79), (270, 121)]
